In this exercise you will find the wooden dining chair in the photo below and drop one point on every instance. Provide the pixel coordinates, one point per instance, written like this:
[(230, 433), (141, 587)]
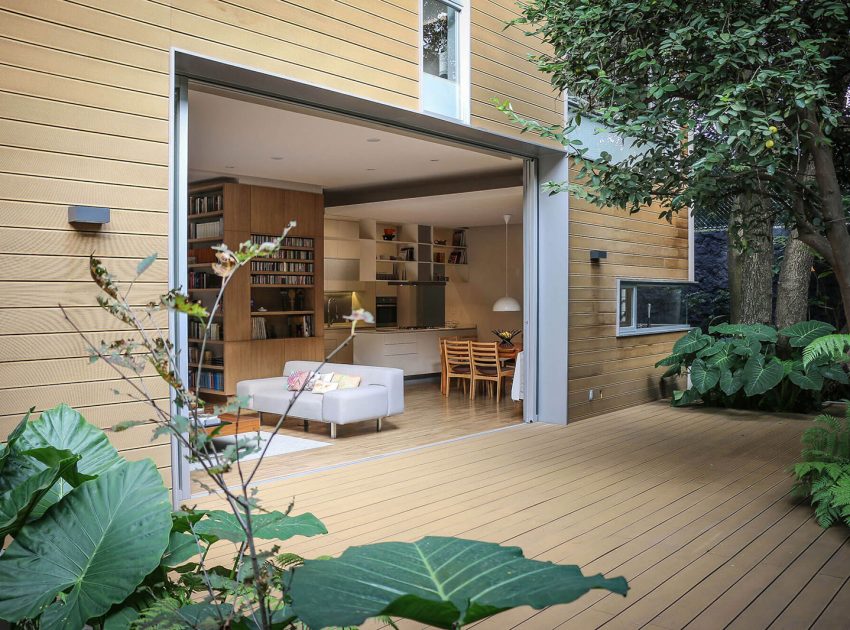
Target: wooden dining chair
[(458, 363), (487, 366)]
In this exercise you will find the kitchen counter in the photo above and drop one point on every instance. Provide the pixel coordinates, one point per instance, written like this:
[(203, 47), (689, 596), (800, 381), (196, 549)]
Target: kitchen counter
[(416, 351)]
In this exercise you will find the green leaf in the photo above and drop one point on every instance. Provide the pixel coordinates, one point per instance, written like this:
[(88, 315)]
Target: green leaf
[(761, 376), (271, 526), (759, 332), (802, 334), (94, 547), (443, 582), (673, 359), (181, 548), (832, 347), (145, 263), (811, 379), (65, 429), (835, 373), (13, 437), (121, 619), (18, 503), (703, 378), (731, 382), (686, 397), (692, 342)]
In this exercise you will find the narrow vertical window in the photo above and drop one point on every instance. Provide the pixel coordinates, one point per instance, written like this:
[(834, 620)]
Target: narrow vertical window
[(441, 58)]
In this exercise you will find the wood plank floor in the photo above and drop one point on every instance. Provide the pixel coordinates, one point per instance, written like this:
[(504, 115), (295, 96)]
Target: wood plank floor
[(693, 506), (429, 417)]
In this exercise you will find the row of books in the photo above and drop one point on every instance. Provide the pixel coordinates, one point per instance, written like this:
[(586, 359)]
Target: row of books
[(297, 254), (206, 202), (195, 357), (459, 238), (207, 229), (208, 380), (258, 328), (203, 280), (196, 330), (289, 241), (406, 253), (276, 279), (457, 257), (286, 267)]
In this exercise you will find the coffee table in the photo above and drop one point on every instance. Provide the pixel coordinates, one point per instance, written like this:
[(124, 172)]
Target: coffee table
[(249, 422)]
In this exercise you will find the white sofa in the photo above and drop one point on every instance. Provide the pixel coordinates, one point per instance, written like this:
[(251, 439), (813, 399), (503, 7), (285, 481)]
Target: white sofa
[(380, 394)]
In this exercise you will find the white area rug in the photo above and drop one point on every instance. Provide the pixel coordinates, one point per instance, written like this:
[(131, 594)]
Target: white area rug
[(281, 445)]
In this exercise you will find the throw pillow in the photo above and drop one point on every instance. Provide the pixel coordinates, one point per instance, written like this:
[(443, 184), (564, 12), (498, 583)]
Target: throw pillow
[(316, 378), (323, 387), (296, 380), (346, 381)]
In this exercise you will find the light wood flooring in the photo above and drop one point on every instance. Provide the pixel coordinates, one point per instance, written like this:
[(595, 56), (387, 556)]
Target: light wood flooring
[(428, 417), (693, 507)]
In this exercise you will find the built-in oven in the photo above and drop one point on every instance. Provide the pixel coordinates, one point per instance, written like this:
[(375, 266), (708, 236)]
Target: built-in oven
[(386, 312)]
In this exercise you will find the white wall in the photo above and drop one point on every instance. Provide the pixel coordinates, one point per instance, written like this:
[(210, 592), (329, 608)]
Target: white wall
[(471, 303)]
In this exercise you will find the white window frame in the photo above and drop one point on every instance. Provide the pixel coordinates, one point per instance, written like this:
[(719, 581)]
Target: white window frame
[(631, 331), (463, 60)]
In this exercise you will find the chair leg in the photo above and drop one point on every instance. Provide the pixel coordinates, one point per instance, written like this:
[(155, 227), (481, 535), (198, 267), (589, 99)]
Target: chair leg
[(472, 388), (499, 390), (306, 425), (333, 430), (379, 424)]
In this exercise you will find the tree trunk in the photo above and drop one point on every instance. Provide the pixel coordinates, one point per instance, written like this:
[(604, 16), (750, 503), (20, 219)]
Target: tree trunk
[(792, 295), (751, 260)]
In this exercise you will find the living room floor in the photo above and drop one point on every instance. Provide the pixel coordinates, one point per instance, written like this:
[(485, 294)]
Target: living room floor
[(428, 418)]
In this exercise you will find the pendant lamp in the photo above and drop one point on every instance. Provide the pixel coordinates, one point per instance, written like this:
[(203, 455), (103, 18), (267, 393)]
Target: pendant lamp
[(507, 303)]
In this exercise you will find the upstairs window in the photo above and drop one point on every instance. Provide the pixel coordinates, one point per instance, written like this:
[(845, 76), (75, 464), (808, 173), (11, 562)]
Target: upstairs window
[(646, 306), (442, 58)]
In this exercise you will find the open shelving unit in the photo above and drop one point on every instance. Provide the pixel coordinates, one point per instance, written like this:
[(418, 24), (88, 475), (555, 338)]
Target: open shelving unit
[(270, 312)]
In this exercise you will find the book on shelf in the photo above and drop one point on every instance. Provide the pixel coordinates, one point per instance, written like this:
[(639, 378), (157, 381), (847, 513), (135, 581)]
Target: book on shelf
[(406, 253), (289, 241), (285, 267), (201, 203), (208, 380), (258, 328), (207, 229), (457, 257), (196, 330), (459, 238), (203, 280), (276, 279)]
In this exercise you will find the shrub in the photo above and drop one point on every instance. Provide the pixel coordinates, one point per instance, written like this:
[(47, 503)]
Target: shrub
[(738, 365), (824, 474)]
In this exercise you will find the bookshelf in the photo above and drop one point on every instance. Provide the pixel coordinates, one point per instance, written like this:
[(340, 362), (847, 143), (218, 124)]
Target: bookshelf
[(415, 252), (272, 311)]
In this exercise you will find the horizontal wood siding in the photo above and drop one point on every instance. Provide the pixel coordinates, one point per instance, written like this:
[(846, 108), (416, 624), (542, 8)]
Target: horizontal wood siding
[(501, 70), (639, 246)]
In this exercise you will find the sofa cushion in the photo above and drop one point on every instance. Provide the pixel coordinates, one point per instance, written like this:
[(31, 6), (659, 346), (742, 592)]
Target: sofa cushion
[(308, 406), (354, 405), (391, 378)]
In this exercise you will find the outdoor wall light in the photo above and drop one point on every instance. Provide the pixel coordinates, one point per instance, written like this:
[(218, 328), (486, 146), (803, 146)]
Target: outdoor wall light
[(597, 255), (88, 215)]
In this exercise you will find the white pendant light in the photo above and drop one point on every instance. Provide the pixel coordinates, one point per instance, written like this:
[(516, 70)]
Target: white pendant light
[(507, 303)]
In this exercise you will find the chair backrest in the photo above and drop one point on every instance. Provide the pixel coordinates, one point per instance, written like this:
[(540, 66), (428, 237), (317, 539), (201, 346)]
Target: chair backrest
[(485, 354), (457, 353)]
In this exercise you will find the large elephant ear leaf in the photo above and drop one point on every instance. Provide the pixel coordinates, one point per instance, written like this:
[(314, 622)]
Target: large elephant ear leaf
[(802, 334), (443, 582), (7, 449), (93, 549), (731, 382), (703, 378), (691, 343), (64, 428), (221, 525), (18, 503), (761, 376), (811, 379)]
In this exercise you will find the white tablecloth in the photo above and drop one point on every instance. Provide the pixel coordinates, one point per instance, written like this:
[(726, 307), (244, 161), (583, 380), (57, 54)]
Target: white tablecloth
[(518, 385)]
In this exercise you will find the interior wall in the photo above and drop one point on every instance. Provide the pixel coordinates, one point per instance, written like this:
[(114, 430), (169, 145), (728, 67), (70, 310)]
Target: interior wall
[(471, 302)]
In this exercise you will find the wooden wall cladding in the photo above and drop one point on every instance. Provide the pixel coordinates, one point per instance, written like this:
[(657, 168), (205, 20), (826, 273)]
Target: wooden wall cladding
[(640, 245)]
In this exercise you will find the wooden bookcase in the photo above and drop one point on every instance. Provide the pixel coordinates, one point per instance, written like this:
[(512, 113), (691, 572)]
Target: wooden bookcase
[(284, 293)]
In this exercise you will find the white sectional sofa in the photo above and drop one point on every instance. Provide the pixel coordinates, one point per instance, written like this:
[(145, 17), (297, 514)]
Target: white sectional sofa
[(380, 394)]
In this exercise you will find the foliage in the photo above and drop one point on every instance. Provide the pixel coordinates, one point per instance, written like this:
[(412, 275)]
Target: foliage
[(737, 365), (106, 553), (824, 474), (712, 100), (442, 582), (827, 347)]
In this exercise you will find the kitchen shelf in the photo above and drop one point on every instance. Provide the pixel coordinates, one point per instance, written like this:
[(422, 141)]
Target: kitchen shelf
[(209, 341), (217, 368), (282, 286), (276, 313), (208, 239), (204, 215)]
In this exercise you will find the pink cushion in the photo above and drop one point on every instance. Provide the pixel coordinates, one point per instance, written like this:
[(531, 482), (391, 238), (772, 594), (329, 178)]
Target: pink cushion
[(296, 380)]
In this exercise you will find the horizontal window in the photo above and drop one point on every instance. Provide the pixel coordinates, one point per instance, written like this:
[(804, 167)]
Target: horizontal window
[(646, 306)]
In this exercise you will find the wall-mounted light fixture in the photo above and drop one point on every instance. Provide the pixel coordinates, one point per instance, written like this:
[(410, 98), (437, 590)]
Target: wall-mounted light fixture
[(597, 255), (88, 215)]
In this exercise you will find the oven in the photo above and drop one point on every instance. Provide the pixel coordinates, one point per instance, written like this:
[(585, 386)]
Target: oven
[(386, 312)]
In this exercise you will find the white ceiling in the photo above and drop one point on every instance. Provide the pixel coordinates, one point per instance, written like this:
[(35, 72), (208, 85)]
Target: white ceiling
[(470, 209), (242, 139)]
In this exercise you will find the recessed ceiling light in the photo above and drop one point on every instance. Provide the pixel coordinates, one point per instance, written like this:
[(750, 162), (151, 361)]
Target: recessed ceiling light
[(371, 169), (229, 166), (435, 160), (373, 139), (277, 157)]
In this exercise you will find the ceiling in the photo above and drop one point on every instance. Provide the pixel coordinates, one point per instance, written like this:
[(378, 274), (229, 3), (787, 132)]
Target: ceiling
[(243, 138), (469, 209)]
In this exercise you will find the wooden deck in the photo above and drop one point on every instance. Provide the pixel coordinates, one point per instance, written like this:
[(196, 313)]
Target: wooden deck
[(692, 506)]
